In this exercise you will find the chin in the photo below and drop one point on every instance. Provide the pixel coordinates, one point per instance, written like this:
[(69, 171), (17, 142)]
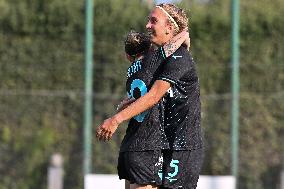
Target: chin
[(152, 39)]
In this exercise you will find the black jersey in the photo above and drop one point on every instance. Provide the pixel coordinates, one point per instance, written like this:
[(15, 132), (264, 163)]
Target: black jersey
[(182, 103), (145, 131)]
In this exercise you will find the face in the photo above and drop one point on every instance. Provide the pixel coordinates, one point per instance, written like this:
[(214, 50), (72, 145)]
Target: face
[(158, 28)]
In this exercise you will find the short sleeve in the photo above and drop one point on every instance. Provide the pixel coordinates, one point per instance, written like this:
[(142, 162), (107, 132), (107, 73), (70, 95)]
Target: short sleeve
[(176, 66)]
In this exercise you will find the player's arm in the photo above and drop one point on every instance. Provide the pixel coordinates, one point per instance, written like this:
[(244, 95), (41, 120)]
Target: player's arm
[(106, 130), (124, 103), (145, 102), (172, 45)]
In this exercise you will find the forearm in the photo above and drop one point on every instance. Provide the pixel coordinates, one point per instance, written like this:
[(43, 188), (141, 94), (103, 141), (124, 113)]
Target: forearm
[(109, 126), (124, 103), (140, 105), (172, 45), (143, 103)]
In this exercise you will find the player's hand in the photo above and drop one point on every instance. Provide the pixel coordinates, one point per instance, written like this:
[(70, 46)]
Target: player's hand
[(186, 38), (124, 104), (187, 43), (106, 130)]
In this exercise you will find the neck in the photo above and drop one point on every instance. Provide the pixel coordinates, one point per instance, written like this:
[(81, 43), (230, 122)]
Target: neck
[(166, 39)]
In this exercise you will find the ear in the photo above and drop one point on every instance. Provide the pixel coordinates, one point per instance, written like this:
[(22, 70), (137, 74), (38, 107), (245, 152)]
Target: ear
[(170, 28)]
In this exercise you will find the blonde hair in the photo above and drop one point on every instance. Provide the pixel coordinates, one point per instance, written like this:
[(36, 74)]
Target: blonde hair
[(177, 14)]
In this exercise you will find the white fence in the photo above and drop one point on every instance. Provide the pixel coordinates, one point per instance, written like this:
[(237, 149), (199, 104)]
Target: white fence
[(96, 181)]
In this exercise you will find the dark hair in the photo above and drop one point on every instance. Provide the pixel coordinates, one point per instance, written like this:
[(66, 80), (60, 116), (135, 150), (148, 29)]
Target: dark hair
[(136, 43)]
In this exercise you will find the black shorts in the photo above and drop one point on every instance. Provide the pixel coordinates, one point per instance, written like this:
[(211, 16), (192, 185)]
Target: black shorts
[(167, 169)]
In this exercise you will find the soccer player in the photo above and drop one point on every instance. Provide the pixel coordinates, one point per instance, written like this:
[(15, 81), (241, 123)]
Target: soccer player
[(182, 162), (147, 126)]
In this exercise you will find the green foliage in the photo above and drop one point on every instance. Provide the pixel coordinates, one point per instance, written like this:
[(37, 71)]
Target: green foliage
[(261, 87), (42, 83)]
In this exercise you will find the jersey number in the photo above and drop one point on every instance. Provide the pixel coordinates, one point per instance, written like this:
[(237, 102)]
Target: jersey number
[(137, 83), (174, 164)]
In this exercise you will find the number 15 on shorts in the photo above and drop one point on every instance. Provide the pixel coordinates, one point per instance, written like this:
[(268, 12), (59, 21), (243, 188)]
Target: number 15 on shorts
[(170, 176)]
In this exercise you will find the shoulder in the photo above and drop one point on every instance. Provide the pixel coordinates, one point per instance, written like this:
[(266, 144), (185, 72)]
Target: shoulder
[(181, 52), (181, 55)]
